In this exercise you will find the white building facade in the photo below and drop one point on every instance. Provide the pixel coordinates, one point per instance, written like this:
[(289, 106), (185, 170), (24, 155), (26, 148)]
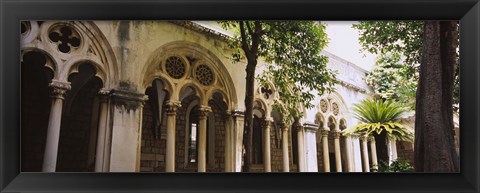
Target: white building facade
[(158, 96)]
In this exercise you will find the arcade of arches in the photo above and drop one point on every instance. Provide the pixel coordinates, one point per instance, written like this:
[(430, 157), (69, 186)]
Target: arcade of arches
[(146, 96)]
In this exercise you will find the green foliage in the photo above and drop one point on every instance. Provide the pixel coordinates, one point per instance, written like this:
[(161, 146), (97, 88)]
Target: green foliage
[(392, 79), (405, 39), (402, 37), (380, 116), (294, 64), (397, 165)]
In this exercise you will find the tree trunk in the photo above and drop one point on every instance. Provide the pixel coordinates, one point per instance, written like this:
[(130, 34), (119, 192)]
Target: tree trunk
[(382, 150), (434, 143), (248, 127)]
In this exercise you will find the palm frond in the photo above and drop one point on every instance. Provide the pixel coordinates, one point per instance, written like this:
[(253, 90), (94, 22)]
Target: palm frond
[(380, 116)]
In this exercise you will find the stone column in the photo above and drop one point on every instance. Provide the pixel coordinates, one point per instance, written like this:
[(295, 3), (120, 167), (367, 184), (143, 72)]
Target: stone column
[(237, 140), (102, 128), (365, 160), (394, 149), (202, 138), (301, 148), (338, 153), (228, 142), (311, 147), (326, 159), (126, 132), (373, 149), (172, 107), (53, 133), (266, 145), (286, 166)]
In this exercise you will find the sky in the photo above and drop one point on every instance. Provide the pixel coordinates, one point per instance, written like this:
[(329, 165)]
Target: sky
[(344, 43)]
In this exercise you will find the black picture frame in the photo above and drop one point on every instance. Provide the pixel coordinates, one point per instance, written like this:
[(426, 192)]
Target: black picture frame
[(12, 12)]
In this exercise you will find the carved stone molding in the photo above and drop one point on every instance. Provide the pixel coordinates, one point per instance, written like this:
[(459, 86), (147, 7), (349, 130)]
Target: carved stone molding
[(363, 137), (59, 89), (103, 95), (310, 127), (325, 132), (237, 113), (337, 134), (172, 107), (266, 124), (204, 110), (128, 99)]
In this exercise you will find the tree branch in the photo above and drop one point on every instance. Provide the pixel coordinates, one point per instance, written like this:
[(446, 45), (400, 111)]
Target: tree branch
[(244, 39)]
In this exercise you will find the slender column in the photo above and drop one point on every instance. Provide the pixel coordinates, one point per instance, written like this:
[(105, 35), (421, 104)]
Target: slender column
[(310, 130), (202, 138), (301, 148), (237, 139), (338, 153), (228, 142), (172, 107), (326, 159), (102, 128), (286, 167), (349, 153), (394, 149), (266, 145), (366, 167), (53, 134), (373, 149)]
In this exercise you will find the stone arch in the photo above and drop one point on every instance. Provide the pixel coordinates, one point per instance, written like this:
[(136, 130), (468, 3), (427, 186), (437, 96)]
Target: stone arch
[(331, 123), (224, 80), (93, 47), (198, 91), (320, 120)]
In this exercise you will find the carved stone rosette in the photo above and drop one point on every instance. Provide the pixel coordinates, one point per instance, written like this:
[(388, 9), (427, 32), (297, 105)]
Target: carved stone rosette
[(59, 89), (204, 110), (172, 107)]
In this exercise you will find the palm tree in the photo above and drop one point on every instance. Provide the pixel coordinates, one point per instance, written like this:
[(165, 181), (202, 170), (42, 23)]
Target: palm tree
[(380, 119)]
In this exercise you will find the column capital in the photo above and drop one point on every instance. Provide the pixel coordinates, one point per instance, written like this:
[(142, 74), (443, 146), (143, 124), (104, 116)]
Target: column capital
[(285, 127), (172, 107), (310, 127), (364, 137), (59, 89), (204, 110), (128, 99), (103, 94), (371, 139), (237, 113), (337, 134), (266, 123), (325, 132)]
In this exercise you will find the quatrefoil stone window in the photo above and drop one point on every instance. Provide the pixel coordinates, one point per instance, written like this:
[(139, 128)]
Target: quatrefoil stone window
[(65, 38), (175, 67), (204, 75), (266, 92)]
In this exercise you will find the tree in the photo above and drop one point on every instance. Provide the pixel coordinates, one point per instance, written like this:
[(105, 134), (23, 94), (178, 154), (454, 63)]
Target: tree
[(434, 142), (292, 52), (392, 79), (433, 45), (380, 119)]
